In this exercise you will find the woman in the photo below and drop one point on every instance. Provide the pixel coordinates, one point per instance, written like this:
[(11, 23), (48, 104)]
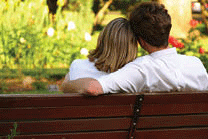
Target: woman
[(116, 46)]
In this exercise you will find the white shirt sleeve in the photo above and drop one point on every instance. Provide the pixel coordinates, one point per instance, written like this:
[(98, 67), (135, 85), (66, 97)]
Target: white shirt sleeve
[(74, 70), (127, 79)]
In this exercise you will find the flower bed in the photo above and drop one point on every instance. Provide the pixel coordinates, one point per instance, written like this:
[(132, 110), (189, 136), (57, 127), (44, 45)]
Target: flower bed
[(195, 44)]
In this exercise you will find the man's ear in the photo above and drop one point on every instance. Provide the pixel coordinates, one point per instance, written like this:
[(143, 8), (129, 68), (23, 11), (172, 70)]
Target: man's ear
[(142, 42)]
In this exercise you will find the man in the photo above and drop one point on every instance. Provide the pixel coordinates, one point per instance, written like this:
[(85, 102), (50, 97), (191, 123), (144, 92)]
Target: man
[(162, 70)]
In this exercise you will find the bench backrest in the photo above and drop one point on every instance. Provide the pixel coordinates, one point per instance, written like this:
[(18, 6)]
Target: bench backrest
[(116, 116)]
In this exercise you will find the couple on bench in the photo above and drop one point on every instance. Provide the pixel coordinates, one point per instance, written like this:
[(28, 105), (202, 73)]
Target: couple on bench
[(114, 67)]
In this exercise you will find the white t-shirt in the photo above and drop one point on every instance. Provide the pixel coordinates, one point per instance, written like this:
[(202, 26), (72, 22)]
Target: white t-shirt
[(81, 68), (163, 70)]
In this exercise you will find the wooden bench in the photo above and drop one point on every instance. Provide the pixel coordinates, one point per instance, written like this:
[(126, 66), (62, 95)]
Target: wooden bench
[(176, 115)]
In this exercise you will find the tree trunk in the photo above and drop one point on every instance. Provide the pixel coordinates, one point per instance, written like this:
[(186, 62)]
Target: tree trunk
[(99, 16), (53, 6), (181, 15)]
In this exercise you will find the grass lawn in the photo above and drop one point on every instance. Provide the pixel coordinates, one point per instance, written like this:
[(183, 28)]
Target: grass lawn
[(35, 92)]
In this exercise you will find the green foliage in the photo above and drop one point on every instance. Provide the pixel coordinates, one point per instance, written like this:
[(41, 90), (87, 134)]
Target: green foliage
[(8, 73), (40, 85), (204, 59), (13, 132), (28, 38), (36, 92), (3, 86), (51, 74)]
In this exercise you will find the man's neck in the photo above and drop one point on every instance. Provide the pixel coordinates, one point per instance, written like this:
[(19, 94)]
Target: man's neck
[(149, 48), (152, 49)]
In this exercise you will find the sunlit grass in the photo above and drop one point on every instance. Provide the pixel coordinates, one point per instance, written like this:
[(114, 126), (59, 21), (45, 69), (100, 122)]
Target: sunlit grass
[(35, 92)]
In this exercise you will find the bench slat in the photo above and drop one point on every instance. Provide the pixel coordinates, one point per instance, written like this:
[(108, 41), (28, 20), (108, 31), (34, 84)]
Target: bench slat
[(20, 101), (172, 121), (181, 133), (176, 97), (176, 108), (83, 135), (65, 112), (61, 126)]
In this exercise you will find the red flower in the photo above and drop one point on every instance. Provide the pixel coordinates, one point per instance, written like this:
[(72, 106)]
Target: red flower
[(201, 50), (193, 23), (206, 5), (180, 45), (175, 43), (192, 4)]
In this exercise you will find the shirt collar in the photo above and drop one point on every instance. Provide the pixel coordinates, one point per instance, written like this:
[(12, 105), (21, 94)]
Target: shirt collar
[(164, 52)]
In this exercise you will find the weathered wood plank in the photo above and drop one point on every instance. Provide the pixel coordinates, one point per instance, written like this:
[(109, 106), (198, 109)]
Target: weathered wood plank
[(176, 108), (61, 100), (83, 135), (176, 97), (172, 121), (65, 112), (61, 126), (180, 133)]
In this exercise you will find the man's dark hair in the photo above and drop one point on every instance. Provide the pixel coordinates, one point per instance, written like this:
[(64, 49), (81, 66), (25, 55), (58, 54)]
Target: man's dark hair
[(151, 22)]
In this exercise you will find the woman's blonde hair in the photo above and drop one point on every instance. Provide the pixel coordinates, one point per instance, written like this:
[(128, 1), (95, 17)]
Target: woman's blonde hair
[(116, 46)]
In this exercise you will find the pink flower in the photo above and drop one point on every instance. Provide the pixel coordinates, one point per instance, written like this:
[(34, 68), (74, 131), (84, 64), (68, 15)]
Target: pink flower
[(193, 23), (201, 50)]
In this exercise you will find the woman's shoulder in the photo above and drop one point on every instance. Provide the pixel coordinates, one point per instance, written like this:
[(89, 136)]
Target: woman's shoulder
[(82, 62)]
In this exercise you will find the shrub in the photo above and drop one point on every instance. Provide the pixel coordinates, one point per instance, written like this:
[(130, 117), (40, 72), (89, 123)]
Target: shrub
[(40, 85), (13, 132), (30, 40), (3, 86)]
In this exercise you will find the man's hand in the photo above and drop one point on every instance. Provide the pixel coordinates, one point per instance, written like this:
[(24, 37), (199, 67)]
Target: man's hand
[(84, 86)]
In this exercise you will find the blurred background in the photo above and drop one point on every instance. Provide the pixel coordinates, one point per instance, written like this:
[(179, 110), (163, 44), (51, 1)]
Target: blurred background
[(40, 38)]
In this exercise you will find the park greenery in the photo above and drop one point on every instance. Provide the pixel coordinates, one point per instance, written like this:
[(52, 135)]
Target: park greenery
[(28, 39), (35, 43)]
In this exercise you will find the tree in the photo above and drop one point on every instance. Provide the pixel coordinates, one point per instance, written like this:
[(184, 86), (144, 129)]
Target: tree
[(101, 7), (181, 15), (53, 6), (101, 13)]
